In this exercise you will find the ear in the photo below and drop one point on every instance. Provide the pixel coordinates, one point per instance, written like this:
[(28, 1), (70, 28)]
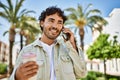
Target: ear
[(41, 23)]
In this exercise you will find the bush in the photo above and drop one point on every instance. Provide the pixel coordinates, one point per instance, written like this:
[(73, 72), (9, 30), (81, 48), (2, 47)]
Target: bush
[(92, 75), (3, 68), (111, 77)]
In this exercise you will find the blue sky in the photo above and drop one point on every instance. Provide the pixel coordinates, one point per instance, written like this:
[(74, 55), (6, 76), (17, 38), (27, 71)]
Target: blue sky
[(105, 6)]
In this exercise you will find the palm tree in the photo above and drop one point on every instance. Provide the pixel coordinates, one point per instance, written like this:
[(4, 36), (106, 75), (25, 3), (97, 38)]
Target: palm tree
[(86, 17), (28, 28), (12, 14)]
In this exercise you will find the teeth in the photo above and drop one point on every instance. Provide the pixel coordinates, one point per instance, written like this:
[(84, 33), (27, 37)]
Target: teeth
[(53, 31)]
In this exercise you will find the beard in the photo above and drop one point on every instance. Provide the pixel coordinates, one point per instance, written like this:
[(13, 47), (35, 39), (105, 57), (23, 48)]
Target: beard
[(51, 33)]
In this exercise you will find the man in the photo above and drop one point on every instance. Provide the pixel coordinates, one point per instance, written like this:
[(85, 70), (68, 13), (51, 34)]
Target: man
[(60, 59)]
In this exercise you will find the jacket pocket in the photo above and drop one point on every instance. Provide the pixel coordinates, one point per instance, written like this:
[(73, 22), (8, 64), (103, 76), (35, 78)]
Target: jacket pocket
[(66, 64), (40, 73)]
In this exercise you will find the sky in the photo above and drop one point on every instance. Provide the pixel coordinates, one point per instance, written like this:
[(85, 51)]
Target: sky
[(105, 6)]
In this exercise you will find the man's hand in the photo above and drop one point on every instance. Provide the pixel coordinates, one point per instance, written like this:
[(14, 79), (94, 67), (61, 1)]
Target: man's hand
[(71, 37), (26, 70)]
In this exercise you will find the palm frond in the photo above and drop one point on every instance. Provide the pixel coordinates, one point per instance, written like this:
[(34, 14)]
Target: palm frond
[(10, 5), (88, 6), (70, 10), (79, 8), (70, 21), (94, 11), (2, 14), (4, 7), (30, 11), (73, 12), (80, 11), (5, 33), (72, 16), (18, 6), (96, 19), (22, 12)]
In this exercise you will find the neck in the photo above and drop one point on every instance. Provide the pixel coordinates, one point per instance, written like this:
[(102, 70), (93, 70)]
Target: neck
[(46, 40)]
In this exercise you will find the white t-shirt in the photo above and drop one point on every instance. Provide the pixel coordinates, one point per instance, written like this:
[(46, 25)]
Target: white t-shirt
[(49, 50)]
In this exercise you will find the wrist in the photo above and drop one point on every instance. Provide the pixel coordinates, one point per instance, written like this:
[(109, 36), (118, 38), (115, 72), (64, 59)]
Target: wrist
[(73, 42), (16, 75)]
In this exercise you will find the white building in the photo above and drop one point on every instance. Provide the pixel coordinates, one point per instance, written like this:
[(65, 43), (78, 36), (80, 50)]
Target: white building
[(113, 28)]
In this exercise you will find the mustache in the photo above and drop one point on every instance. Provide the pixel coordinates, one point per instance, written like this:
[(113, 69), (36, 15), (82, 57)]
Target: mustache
[(53, 28)]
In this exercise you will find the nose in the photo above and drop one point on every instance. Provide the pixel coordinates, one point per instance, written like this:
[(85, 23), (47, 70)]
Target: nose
[(55, 25)]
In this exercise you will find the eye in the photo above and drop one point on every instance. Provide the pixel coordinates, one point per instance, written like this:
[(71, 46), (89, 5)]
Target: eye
[(50, 20), (60, 22)]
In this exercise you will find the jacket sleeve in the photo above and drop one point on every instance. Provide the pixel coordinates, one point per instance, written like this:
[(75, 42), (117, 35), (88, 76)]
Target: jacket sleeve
[(79, 63), (17, 64)]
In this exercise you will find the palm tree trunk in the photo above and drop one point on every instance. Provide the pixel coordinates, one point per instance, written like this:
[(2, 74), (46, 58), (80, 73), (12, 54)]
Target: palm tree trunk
[(21, 41), (11, 43), (21, 38), (81, 33), (10, 57)]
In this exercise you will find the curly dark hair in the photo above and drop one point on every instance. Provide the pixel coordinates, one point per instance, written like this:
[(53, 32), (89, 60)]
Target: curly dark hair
[(52, 10)]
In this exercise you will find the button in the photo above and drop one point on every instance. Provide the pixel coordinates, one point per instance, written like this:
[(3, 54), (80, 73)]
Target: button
[(56, 69)]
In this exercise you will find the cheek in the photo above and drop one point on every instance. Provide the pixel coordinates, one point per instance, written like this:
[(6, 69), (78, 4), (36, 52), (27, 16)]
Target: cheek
[(60, 28), (46, 26)]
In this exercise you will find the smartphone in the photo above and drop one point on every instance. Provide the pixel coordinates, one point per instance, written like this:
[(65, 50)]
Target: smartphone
[(65, 36)]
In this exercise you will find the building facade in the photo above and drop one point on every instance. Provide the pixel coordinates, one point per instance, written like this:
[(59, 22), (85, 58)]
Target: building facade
[(113, 28)]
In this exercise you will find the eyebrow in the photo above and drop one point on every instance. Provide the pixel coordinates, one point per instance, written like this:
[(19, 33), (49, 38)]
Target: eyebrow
[(51, 19), (54, 20)]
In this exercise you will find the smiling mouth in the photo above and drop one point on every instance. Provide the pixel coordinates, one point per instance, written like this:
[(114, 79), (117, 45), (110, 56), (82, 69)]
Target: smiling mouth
[(53, 30)]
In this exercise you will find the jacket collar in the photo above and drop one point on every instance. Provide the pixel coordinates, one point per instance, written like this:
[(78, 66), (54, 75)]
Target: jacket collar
[(37, 42)]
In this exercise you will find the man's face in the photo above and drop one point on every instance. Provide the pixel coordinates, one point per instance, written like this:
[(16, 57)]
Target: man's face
[(52, 26)]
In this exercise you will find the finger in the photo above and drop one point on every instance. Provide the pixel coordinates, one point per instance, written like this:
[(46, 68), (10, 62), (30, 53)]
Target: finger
[(27, 67), (29, 63), (67, 30), (31, 68), (31, 72), (31, 75)]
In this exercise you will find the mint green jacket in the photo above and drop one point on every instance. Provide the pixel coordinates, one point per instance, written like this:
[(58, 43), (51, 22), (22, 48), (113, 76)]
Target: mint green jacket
[(68, 63)]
